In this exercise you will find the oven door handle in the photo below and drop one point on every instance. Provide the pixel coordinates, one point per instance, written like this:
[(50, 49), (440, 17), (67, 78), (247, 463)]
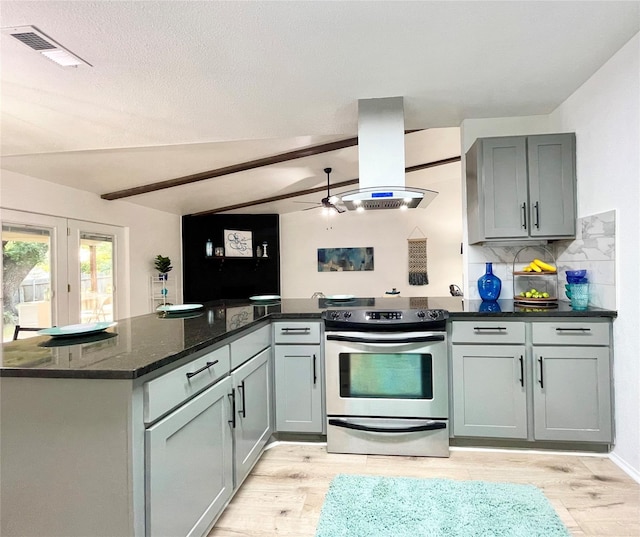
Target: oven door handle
[(352, 339), (431, 426)]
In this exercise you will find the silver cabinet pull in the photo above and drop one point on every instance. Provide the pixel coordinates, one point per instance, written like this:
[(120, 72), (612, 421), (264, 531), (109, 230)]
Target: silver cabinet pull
[(203, 368), (295, 330)]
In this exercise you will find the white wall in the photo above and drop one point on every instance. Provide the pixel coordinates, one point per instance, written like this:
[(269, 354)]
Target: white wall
[(302, 233), (150, 232), (605, 115)]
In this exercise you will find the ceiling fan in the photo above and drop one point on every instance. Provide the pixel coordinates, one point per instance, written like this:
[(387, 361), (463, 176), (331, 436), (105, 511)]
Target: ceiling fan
[(328, 203)]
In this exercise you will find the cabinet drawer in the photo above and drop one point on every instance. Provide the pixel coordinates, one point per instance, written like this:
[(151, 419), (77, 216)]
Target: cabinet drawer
[(570, 333), (297, 332), (168, 391), (493, 332), (248, 346)]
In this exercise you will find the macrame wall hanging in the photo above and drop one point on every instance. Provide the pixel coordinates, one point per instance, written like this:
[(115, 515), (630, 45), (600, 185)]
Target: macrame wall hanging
[(418, 259)]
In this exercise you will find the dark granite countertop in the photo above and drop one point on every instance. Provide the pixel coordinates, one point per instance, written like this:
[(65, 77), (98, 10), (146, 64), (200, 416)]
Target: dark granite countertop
[(139, 345)]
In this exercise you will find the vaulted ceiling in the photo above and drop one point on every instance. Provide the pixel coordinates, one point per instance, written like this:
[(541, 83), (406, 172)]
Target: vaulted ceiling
[(177, 88)]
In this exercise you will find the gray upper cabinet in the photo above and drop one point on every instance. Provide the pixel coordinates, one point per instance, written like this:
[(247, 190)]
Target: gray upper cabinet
[(521, 187)]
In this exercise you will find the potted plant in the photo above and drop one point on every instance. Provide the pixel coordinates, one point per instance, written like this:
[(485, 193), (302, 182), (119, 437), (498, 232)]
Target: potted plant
[(163, 266)]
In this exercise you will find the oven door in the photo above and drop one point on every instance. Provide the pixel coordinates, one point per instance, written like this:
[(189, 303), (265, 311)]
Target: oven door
[(402, 375)]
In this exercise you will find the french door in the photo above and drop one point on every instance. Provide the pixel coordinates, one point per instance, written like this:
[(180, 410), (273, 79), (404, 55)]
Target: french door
[(58, 271)]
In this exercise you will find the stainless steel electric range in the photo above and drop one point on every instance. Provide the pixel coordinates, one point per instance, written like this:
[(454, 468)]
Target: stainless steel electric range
[(387, 381)]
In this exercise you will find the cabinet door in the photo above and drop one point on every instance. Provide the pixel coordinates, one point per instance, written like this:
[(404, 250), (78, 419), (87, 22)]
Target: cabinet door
[(253, 423), (298, 388), (504, 172), (189, 465), (572, 394), (489, 394), (552, 185)]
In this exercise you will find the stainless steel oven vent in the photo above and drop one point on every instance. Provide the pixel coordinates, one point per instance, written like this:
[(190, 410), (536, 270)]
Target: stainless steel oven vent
[(381, 160)]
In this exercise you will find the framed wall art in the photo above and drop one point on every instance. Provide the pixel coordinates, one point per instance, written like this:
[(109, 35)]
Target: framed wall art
[(344, 259), (238, 243)]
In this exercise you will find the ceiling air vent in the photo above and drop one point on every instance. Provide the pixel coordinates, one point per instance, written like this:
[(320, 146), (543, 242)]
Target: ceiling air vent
[(42, 43)]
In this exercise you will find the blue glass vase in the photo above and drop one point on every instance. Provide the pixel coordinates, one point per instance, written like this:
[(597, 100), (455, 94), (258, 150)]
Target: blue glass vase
[(489, 285)]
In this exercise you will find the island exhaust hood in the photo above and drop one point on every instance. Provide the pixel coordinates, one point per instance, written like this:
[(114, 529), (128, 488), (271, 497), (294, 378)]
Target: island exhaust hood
[(381, 160)]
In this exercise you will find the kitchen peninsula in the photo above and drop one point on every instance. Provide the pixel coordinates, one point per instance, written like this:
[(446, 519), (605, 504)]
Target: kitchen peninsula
[(149, 342), (97, 434)]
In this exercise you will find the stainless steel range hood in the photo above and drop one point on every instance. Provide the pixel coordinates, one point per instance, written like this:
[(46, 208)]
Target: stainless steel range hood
[(381, 159)]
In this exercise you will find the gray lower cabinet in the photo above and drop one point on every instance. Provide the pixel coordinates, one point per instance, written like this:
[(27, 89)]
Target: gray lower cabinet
[(572, 382), (299, 375), (189, 465), (521, 187), (490, 398), (555, 386), (252, 423), (298, 389)]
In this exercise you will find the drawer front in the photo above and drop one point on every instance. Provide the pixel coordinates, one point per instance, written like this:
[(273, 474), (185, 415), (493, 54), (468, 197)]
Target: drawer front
[(570, 333), (170, 390), (248, 346), (297, 332), (493, 332)]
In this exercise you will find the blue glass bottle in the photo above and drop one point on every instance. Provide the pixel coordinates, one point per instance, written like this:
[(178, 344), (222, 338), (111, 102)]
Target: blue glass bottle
[(489, 285)]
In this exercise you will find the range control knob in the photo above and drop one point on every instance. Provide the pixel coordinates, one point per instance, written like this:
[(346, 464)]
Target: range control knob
[(420, 314), (335, 314), (347, 314), (434, 314)]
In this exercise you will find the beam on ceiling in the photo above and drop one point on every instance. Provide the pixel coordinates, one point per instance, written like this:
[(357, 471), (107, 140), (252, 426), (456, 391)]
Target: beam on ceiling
[(315, 190), (234, 168)]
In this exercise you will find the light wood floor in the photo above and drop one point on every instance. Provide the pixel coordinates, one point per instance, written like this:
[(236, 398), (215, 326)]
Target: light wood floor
[(285, 491)]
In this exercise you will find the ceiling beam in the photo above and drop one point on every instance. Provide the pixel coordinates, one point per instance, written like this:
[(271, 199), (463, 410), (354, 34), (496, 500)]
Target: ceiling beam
[(234, 168), (299, 193)]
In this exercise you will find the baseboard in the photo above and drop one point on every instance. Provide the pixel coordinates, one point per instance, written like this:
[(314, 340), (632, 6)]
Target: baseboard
[(620, 463)]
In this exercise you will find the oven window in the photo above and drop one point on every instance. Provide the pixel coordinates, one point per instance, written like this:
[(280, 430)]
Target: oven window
[(386, 376)]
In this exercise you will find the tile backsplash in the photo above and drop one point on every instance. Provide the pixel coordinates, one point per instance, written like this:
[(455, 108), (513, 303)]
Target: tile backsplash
[(592, 249)]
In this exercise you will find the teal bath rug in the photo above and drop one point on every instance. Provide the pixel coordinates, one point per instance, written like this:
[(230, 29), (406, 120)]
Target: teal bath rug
[(371, 506)]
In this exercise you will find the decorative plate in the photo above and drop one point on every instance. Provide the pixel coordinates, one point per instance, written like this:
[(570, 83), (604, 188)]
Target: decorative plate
[(80, 339), (340, 297), (75, 329), (175, 308), (264, 298)]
